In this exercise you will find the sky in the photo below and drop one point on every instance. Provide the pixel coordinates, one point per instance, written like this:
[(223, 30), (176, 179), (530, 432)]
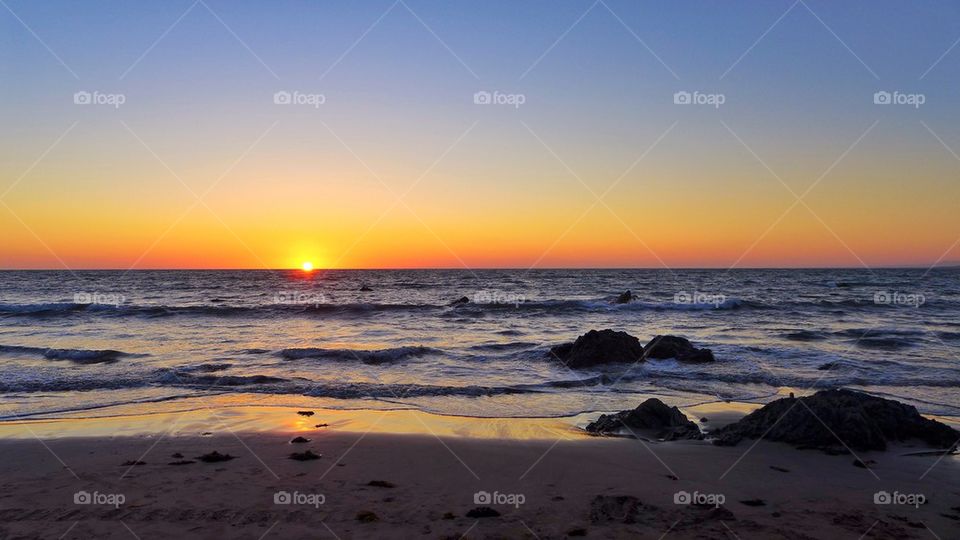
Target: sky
[(186, 156)]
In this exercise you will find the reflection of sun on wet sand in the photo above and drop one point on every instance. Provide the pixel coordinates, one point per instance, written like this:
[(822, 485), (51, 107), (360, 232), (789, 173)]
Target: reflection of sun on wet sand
[(404, 474)]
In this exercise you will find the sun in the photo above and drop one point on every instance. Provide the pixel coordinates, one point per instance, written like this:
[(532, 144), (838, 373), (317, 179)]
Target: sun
[(307, 266)]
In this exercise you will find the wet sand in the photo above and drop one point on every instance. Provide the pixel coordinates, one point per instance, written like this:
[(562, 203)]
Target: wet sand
[(545, 479)]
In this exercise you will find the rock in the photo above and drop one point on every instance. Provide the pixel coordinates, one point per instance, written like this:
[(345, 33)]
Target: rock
[(177, 455), (131, 463), (624, 298), (449, 515), (460, 301), (599, 347), (321, 425), (828, 366), (304, 456), (753, 502), (364, 288), (305, 413), (299, 440), (614, 508), (215, 457), (182, 462), (662, 347), (482, 512), (668, 422), (367, 517), (577, 531), (381, 483), (862, 421)]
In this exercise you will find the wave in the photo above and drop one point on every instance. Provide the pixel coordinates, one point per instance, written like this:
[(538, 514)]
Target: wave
[(470, 309), (368, 356), (79, 356)]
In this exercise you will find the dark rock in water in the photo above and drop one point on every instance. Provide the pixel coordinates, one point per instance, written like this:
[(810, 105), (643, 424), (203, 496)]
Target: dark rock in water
[(753, 502), (215, 457), (662, 347), (364, 288), (177, 455), (615, 508), (131, 463), (599, 347), (321, 425), (460, 301), (299, 440), (304, 456), (305, 413), (482, 512), (670, 424), (182, 462), (578, 531), (828, 366), (624, 298), (862, 421)]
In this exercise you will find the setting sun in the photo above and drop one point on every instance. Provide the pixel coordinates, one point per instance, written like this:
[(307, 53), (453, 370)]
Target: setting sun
[(307, 266)]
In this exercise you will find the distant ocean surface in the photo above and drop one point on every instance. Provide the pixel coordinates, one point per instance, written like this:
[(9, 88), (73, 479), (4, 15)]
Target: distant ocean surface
[(81, 343)]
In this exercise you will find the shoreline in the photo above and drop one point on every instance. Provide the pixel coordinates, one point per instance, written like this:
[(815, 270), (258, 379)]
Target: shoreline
[(233, 413)]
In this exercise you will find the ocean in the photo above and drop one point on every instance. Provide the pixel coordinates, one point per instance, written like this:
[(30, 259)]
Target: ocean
[(91, 343)]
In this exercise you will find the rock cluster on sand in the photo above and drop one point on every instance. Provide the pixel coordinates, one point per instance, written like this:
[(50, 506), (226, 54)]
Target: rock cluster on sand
[(861, 421), (677, 347), (609, 346), (668, 422), (599, 347)]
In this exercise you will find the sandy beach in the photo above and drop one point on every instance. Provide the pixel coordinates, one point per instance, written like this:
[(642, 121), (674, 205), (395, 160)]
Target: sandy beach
[(544, 480)]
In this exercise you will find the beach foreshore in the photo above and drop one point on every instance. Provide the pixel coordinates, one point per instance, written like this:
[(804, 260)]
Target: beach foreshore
[(406, 474)]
